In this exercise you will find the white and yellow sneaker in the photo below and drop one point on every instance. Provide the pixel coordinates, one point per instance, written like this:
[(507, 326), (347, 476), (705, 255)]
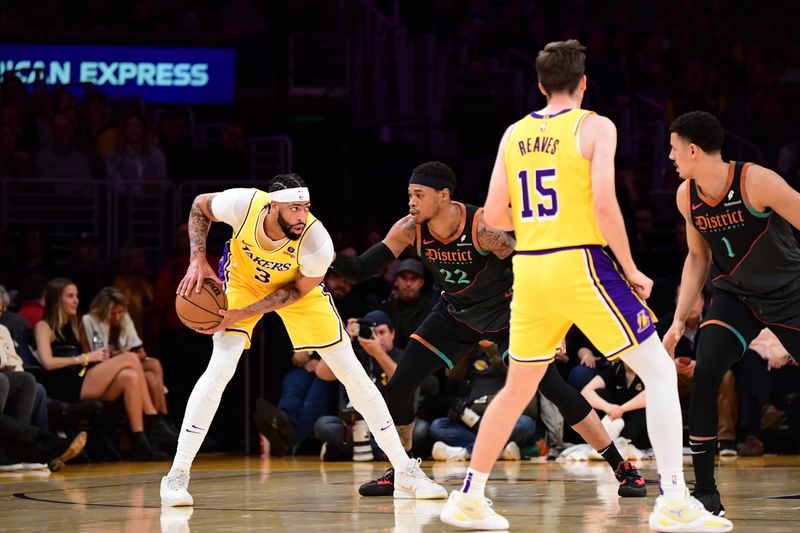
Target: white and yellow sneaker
[(471, 513), (412, 483), (685, 514), (175, 490)]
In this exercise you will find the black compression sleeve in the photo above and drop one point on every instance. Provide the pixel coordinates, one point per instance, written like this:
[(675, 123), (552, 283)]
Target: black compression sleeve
[(366, 265)]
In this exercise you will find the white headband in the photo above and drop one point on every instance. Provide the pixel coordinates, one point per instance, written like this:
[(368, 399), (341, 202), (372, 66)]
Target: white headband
[(298, 194)]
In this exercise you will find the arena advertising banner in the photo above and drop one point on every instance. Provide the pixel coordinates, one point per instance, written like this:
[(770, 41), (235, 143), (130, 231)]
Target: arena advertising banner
[(159, 75)]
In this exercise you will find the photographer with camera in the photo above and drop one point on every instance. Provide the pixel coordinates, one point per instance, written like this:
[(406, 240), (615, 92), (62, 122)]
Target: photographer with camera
[(347, 437), (455, 435)]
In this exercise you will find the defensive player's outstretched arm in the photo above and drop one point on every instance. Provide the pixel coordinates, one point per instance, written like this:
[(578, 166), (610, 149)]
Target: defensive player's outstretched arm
[(200, 219), (361, 268), (767, 190), (496, 209), (695, 271), (598, 145)]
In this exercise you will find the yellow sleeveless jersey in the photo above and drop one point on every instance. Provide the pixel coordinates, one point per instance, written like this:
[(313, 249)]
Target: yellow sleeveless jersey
[(250, 273), (245, 264), (550, 184)]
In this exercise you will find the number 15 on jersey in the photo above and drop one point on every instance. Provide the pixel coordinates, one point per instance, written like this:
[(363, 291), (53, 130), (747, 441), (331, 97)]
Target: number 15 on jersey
[(545, 201)]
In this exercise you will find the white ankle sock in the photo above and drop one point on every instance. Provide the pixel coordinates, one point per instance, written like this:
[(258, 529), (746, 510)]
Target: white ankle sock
[(671, 483), (475, 483)]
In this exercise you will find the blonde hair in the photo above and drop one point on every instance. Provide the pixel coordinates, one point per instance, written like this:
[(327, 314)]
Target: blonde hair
[(106, 299), (53, 314)]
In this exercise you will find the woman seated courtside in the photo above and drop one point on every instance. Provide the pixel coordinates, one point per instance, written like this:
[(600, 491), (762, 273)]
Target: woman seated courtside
[(75, 373), (109, 325)]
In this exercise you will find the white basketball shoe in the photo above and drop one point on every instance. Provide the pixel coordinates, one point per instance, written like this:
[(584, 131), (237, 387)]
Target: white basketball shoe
[(685, 514), (467, 512), (175, 490), (412, 483)]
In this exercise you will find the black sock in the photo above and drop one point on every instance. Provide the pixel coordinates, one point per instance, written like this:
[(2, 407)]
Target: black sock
[(611, 455), (703, 459)]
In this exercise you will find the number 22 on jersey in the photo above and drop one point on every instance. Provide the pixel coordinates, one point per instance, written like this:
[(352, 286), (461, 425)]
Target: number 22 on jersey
[(545, 204)]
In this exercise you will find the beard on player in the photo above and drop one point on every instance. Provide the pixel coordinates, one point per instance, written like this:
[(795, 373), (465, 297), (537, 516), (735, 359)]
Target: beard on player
[(289, 229)]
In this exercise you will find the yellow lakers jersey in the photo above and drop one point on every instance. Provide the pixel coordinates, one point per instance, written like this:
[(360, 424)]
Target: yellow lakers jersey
[(246, 265), (550, 184)]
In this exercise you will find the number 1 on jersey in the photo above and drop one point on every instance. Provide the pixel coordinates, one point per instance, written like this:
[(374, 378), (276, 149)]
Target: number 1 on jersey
[(547, 204), (728, 246)]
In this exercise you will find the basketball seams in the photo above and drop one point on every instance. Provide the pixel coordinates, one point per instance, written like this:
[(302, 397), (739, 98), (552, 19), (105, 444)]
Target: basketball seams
[(187, 300), (196, 315)]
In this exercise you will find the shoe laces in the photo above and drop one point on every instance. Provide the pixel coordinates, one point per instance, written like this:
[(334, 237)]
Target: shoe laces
[(625, 470), (178, 481), (489, 503), (415, 470), (387, 476)]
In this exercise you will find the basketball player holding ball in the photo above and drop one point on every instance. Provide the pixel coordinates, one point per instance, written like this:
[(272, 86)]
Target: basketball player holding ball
[(275, 261)]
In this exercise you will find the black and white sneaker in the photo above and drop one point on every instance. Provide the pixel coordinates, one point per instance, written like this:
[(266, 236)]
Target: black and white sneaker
[(631, 483), (710, 500), (383, 486)]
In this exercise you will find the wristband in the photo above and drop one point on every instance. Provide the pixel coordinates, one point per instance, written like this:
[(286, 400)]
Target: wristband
[(85, 364)]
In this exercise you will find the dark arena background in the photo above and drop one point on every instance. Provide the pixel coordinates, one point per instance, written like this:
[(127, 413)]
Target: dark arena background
[(115, 115)]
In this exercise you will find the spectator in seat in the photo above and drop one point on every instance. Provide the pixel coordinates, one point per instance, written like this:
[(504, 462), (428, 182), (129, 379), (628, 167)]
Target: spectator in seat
[(764, 358), (22, 443), (86, 270), (14, 162), (304, 399), (17, 387), (134, 283), (619, 393), (373, 338), (407, 307), (109, 325), (454, 436), (75, 373), (32, 289), (134, 159), (229, 157), (63, 159)]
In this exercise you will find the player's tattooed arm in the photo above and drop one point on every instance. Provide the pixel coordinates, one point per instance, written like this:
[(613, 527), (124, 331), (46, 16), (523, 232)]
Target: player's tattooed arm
[(494, 240), (284, 295), (402, 235), (200, 219)]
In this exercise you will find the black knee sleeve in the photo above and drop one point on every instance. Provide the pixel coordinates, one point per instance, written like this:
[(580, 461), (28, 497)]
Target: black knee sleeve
[(717, 349), (570, 402)]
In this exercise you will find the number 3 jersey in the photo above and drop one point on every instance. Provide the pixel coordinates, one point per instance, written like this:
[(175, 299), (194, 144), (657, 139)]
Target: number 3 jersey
[(753, 252), (549, 183), (253, 266)]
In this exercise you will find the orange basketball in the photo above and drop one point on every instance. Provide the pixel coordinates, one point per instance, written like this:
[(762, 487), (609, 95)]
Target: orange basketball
[(199, 310)]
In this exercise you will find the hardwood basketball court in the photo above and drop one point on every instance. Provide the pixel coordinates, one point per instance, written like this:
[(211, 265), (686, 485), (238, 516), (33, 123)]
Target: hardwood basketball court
[(234, 493)]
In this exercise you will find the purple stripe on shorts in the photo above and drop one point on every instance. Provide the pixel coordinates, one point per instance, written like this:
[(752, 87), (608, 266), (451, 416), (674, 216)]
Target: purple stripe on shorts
[(633, 311), (223, 261)]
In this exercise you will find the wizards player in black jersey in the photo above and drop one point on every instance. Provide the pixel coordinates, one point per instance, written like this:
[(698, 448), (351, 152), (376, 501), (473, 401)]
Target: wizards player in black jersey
[(470, 261), (739, 219)]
